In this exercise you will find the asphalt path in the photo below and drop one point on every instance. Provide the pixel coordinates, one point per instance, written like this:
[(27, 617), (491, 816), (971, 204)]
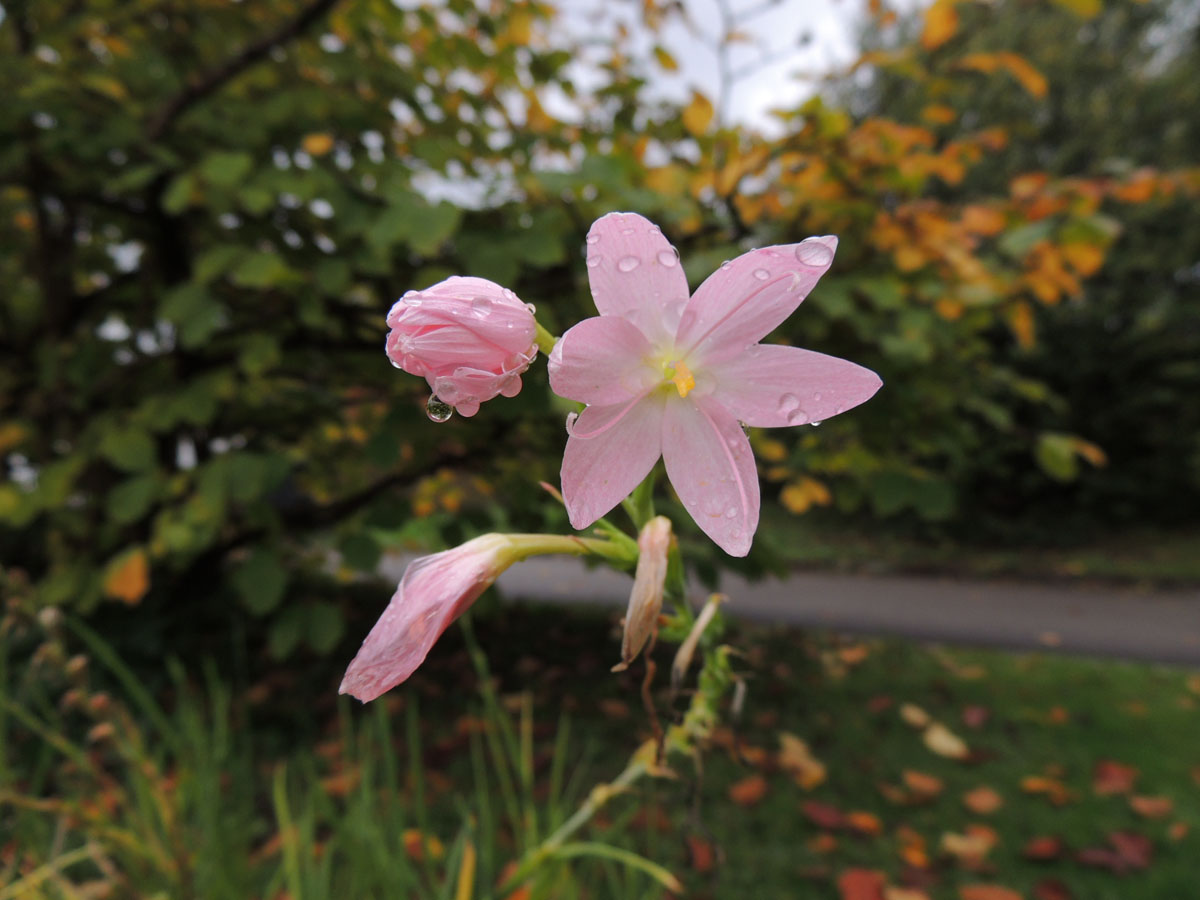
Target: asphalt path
[(1096, 620)]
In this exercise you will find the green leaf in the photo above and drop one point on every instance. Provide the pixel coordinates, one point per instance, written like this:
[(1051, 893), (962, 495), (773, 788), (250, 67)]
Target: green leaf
[(285, 632), (260, 352), (226, 169), (325, 627), (217, 261), (1019, 241), (332, 276), (260, 580), (131, 499), (128, 449), (437, 225), (260, 270), (256, 200), (1055, 453), (360, 552), (196, 313), (178, 195)]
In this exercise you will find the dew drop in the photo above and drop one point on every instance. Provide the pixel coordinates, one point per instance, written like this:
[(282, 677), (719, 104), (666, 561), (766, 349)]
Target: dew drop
[(726, 266), (532, 309), (481, 306), (731, 512), (713, 507), (814, 424), (593, 238), (797, 417), (571, 419), (817, 396), (509, 295), (814, 252), (762, 274), (437, 410), (788, 404), (668, 257), (628, 263), (593, 261)]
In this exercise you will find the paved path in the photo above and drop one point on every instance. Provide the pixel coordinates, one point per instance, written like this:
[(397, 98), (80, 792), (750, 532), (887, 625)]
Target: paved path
[(1162, 626)]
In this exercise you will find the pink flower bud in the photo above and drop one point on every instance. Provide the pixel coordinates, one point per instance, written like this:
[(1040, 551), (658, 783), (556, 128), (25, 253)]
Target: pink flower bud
[(433, 592), (645, 600), (468, 337)]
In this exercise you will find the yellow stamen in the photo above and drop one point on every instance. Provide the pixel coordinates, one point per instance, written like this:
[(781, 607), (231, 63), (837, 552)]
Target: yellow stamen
[(683, 378)]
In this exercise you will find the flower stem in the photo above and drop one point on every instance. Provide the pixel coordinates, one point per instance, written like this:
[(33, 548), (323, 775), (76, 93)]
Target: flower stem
[(545, 340)]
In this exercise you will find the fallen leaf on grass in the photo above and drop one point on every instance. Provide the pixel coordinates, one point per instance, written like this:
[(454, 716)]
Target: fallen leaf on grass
[(1053, 789), (976, 716), (971, 846), (1177, 831), (864, 823), (987, 892), (823, 815), (700, 854), (912, 847), (1126, 851), (922, 784), (915, 716), (982, 800), (1152, 807), (823, 843), (417, 845), (1051, 889), (861, 884), (879, 703), (1111, 777), (854, 654), (796, 759), (1043, 848), (903, 893), (749, 791), (944, 742)]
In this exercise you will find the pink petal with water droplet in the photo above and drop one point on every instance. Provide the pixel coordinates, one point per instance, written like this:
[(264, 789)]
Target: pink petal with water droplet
[(712, 469), (599, 472), (635, 274), (601, 360), (768, 386), (744, 300)]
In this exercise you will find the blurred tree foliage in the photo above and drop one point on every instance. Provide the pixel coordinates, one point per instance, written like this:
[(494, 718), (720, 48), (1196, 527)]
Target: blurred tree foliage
[(1122, 354), (206, 210)]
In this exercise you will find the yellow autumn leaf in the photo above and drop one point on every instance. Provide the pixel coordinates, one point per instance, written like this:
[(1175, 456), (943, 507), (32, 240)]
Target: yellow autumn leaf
[(941, 21), (944, 742), (1084, 258), (1020, 320), (1093, 453), (796, 759), (665, 59), (800, 496), (698, 114), (1085, 9), (317, 144), (128, 577), (1029, 77), (914, 716)]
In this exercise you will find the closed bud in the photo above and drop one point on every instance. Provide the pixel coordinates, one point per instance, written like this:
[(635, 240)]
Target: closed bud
[(645, 600)]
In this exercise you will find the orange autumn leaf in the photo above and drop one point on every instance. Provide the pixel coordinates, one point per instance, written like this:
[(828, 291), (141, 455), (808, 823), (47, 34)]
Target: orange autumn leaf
[(982, 800), (1053, 789), (799, 496), (924, 786), (1020, 320), (128, 577), (1152, 807), (972, 845), (939, 114), (903, 893), (700, 854), (749, 791), (1084, 258), (864, 823), (861, 884), (941, 21), (796, 759), (698, 114), (1111, 777), (417, 845), (988, 892), (317, 144), (1043, 848), (983, 220)]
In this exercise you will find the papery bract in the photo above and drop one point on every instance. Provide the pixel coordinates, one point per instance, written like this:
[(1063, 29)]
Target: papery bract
[(645, 600), (468, 337), (666, 375)]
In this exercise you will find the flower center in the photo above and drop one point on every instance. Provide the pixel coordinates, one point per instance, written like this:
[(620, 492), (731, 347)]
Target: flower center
[(678, 373)]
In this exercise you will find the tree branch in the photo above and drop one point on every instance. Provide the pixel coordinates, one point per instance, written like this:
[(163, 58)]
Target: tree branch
[(211, 81)]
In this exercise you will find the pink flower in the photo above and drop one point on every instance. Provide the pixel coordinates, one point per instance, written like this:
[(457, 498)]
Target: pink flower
[(665, 375), (468, 337), (434, 591)]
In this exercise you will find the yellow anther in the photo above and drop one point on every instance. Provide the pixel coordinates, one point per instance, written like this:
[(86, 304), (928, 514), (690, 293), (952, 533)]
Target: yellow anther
[(683, 378)]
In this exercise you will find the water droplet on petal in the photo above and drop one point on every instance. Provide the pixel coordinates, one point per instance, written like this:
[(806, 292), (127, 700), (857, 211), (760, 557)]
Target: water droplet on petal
[(814, 424), (713, 507), (788, 403), (726, 266), (437, 410), (532, 309), (762, 274), (731, 513), (797, 417), (668, 257), (817, 395), (593, 261), (628, 263), (571, 419), (481, 306), (509, 295), (814, 252), (593, 238)]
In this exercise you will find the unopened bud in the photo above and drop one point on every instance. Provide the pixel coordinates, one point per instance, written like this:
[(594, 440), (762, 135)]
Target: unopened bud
[(645, 601)]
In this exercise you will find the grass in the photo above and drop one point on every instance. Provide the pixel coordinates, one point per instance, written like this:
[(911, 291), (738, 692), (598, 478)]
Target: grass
[(224, 795)]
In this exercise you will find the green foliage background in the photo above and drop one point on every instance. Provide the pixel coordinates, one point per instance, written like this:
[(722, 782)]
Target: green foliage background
[(207, 210)]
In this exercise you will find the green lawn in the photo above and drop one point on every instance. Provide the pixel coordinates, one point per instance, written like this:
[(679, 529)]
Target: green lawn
[(191, 798)]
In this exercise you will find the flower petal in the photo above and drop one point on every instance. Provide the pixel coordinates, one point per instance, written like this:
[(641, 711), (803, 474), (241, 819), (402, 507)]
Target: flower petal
[(744, 300), (768, 386), (635, 274), (601, 360), (712, 469), (621, 446)]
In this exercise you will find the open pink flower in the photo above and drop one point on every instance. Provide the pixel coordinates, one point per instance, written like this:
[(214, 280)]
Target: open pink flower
[(468, 337), (665, 375), (433, 592)]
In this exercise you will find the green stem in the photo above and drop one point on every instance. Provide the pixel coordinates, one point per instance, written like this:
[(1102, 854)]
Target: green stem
[(545, 340)]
